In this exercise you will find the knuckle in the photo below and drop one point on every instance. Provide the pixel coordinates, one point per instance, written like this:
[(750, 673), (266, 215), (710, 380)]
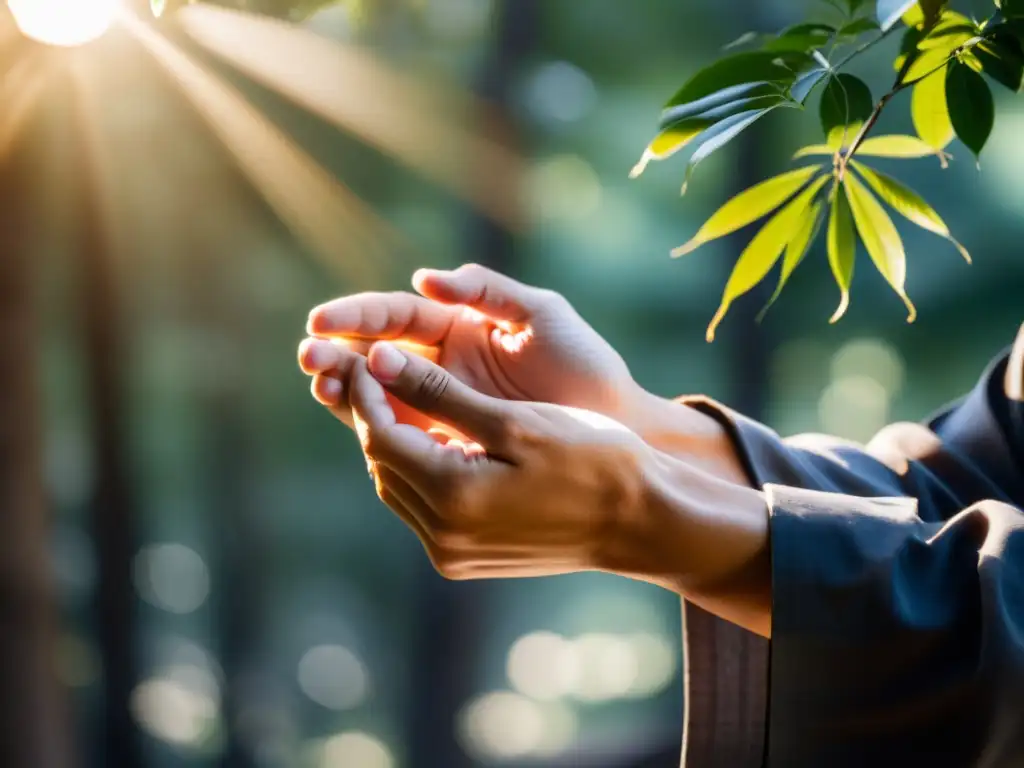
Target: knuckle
[(372, 447), (433, 385), (473, 270), (552, 301)]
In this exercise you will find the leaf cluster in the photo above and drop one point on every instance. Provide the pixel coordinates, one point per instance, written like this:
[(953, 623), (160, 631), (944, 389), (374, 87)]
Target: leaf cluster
[(946, 60)]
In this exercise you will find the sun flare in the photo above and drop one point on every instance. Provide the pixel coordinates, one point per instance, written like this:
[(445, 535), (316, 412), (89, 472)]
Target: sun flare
[(64, 22)]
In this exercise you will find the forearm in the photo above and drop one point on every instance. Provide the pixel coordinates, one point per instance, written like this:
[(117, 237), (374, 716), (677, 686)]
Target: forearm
[(684, 433), (705, 538)]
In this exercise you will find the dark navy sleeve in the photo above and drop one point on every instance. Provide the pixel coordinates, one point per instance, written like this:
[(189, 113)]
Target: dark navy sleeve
[(898, 598)]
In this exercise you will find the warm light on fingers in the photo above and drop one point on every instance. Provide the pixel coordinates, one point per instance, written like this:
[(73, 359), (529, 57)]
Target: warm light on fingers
[(64, 22)]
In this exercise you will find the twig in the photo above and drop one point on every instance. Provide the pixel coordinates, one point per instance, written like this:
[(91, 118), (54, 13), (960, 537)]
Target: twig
[(900, 84)]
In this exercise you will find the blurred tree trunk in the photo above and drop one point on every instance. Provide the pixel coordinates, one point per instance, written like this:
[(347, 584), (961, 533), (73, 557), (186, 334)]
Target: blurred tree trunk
[(449, 633), (226, 464), (33, 711), (113, 505)]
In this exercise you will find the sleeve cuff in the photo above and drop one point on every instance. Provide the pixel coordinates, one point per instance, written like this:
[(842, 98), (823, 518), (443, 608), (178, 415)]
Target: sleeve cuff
[(827, 553)]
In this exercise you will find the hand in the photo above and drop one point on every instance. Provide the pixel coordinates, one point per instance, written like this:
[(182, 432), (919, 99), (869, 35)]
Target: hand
[(498, 336), (536, 489)]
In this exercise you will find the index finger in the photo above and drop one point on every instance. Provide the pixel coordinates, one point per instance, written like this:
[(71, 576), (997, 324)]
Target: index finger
[(383, 317), (410, 451)]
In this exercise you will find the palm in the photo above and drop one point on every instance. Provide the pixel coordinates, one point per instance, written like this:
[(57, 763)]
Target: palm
[(558, 359), (498, 336)]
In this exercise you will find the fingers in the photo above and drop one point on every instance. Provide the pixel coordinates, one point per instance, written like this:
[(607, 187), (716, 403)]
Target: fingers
[(409, 450), (324, 355), (384, 316), (432, 390), (489, 292)]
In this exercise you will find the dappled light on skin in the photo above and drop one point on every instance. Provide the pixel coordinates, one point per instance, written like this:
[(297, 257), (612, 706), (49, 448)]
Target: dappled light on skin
[(64, 23), (322, 213), (402, 118)]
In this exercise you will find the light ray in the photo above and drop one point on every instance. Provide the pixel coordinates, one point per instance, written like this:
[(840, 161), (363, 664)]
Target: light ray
[(20, 91), (327, 217), (357, 93)]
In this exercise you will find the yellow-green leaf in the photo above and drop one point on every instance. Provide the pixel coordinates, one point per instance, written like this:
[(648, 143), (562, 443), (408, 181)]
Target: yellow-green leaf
[(749, 206), (764, 250), (841, 245), (668, 142), (880, 238), (814, 149), (908, 204), (890, 11), (928, 62), (930, 113), (897, 146), (797, 248)]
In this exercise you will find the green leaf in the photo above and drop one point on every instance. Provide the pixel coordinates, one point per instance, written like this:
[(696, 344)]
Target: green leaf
[(748, 67), (806, 83), (158, 7), (857, 27), (1002, 58), (697, 118), (914, 17), (764, 251), (722, 103), (890, 11), (745, 39), (667, 143), (845, 104), (930, 113), (971, 107), (749, 206), (796, 249), (813, 149), (895, 146), (908, 47), (718, 136), (841, 246), (908, 204), (880, 238), (927, 63), (802, 37), (952, 30), (1012, 9)]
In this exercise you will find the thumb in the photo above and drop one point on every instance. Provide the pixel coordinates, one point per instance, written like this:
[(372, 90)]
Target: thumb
[(430, 389), (491, 293)]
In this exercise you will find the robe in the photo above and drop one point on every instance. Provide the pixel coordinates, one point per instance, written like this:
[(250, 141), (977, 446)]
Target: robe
[(897, 598)]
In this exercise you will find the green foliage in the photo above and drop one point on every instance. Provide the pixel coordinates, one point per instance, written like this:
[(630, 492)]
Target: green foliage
[(971, 108), (846, 104), (946, 61)]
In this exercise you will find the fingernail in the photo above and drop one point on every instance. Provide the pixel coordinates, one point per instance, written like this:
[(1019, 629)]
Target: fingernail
[(386, 362), (420, 276), (309, 354), (327, 390), (313, 321)]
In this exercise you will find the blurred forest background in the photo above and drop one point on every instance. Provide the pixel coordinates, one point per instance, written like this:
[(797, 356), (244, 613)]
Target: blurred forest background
[(192, 544)]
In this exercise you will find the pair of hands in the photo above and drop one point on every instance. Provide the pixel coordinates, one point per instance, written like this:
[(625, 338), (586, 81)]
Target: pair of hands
[(487, 441), (512, 441)]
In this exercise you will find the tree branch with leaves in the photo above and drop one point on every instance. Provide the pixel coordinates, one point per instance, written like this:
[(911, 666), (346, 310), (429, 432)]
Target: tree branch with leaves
[(946, 59)]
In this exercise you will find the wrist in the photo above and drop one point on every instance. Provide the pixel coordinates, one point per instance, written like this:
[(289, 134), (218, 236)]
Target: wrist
[(685, 433), (701, 537)]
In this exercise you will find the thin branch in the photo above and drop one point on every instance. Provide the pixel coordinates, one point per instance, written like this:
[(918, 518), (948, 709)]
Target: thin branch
[(900, 84)]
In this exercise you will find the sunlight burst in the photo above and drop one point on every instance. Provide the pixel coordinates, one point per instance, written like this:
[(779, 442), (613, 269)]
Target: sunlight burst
[(64, 22)]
